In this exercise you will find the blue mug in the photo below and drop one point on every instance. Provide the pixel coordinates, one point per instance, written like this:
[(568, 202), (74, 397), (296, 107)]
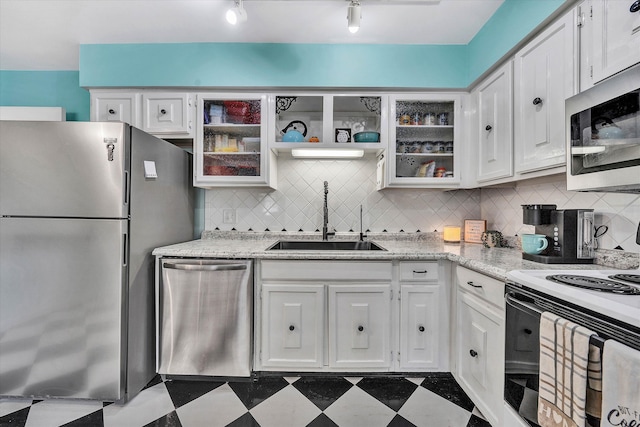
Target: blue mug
[(534, 243)]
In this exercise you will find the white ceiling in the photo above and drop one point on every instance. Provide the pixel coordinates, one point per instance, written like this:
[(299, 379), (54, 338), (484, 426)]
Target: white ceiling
[(46, 34)]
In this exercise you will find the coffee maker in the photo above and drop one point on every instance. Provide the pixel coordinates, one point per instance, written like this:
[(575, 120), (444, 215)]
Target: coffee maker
[(569, 233)]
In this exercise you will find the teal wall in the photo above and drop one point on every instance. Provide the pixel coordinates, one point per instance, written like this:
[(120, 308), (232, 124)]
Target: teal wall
[(512, 22), (273, 65), (45, 89)]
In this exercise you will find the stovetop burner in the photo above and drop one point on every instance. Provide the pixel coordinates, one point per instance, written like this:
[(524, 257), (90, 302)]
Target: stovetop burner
[(631, 278), (594, 283)]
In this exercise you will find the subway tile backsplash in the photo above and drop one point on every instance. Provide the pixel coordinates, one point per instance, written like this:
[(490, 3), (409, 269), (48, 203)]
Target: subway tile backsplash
[(297, 204), (618, 211)]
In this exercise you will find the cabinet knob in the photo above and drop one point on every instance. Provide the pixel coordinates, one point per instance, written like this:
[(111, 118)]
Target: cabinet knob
[(421, 328), (163, 111), (111, 111), (291, 327), (635, 6), (537, 101), (360, 328), (527, 330), (473, 285), (473, 353), (489, 126)]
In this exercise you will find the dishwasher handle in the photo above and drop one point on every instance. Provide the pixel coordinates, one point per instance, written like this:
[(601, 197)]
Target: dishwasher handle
[(204, 267)]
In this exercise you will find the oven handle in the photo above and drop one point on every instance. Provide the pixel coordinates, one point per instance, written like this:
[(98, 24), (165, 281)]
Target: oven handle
[(517, 304), (509, 299)]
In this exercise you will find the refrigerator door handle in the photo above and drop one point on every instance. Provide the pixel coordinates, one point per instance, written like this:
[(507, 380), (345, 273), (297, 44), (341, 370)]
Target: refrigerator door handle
[(205, 267), (126, 188), (125, 250)]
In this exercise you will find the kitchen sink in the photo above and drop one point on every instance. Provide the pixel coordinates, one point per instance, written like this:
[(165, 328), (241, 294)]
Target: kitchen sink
[(321, 245)]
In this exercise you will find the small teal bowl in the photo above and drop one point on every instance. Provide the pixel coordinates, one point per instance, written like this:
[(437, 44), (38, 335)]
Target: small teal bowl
[(366, 137)]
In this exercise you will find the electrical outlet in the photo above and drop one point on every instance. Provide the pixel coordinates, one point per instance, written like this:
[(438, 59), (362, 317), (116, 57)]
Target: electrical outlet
[(229, 216)]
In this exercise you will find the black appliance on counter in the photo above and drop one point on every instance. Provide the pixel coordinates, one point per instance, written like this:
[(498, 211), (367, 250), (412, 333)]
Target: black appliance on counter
[(568, 231)]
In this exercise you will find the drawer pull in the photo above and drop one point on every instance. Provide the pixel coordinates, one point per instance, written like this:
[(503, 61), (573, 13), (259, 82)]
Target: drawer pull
[(111, 111), (419, 271), (421, 328), (528, 331), (537, 101), (291, 327), (360, 328), (473, 353), (470, 283), (488, 128), (163, 111)]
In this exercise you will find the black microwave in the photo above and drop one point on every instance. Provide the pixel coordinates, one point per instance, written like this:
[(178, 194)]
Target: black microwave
[(603, 135)]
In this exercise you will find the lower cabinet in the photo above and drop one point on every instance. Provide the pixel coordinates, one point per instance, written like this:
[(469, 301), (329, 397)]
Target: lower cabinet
[(480, 341), (293, 325), (359, 330), (356, 316)]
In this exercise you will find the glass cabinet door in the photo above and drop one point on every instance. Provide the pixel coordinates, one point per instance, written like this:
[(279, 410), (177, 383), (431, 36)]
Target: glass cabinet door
[(229, 147), (424, 141)]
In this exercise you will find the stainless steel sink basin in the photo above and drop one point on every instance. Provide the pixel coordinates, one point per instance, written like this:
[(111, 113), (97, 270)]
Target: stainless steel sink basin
[(321, 245)]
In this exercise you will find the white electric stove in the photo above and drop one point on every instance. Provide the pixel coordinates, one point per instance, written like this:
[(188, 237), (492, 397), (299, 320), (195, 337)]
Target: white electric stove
[(612, 293)]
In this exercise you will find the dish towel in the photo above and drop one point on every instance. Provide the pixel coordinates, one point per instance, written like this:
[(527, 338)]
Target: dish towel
[(620, 385), (594, 382), (564, 356)]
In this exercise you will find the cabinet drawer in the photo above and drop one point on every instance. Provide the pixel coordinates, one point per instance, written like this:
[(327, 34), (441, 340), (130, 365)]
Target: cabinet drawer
[(326, 270), (489, 289), (418, 271)]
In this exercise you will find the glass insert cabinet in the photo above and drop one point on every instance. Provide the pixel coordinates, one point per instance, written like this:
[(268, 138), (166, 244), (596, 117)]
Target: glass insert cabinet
[(230, 147), (424, 140)]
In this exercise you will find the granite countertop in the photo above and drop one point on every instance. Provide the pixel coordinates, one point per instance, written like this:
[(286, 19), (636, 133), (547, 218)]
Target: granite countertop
[(494, 262)]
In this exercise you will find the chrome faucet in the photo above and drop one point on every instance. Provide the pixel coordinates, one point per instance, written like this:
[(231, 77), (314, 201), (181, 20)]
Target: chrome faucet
[(362, 235), (325, 221)]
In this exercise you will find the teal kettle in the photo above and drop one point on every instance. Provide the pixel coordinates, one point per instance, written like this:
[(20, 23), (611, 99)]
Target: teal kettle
[(291, 133)]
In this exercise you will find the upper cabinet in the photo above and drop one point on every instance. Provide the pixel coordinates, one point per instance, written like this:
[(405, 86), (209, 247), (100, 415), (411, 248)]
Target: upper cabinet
[(424, 140), (335, 121), (164, 114), (494, 127), (609, 38), (167, 113), (544, 77), (114, 107), (230, 148)]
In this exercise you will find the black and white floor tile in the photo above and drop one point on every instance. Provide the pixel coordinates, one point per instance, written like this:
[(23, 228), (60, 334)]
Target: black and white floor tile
[(432, 400)]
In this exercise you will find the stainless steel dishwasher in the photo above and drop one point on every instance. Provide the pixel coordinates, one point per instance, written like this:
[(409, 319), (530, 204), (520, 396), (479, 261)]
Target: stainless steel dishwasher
[(204, 323)]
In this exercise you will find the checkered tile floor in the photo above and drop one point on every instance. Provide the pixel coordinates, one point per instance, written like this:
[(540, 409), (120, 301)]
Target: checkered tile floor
[(434, 400)]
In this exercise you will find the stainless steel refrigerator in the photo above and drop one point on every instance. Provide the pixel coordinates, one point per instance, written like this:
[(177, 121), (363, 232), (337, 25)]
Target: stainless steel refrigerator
[(82, 206)]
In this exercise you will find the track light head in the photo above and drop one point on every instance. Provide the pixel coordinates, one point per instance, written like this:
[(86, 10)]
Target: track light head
[(237, 14), (353, 16)]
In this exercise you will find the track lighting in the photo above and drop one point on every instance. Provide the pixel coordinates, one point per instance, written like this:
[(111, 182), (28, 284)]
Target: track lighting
[(237, 14), (353, 16)]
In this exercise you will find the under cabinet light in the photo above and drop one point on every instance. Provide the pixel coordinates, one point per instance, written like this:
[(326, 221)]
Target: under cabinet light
[(328, 153)]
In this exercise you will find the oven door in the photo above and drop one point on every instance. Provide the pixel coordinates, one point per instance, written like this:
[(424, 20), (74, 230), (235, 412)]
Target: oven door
[(522, 356)]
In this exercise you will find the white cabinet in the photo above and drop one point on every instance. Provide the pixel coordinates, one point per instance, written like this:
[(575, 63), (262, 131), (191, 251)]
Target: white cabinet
[(424, 140), (230, 148), (544, 77), (293, 325), (359, 331), (480, 341), (424, 314), (115, 107), (356, 316), (494, 131), (609, 38), (167, 113), (328, 121)]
